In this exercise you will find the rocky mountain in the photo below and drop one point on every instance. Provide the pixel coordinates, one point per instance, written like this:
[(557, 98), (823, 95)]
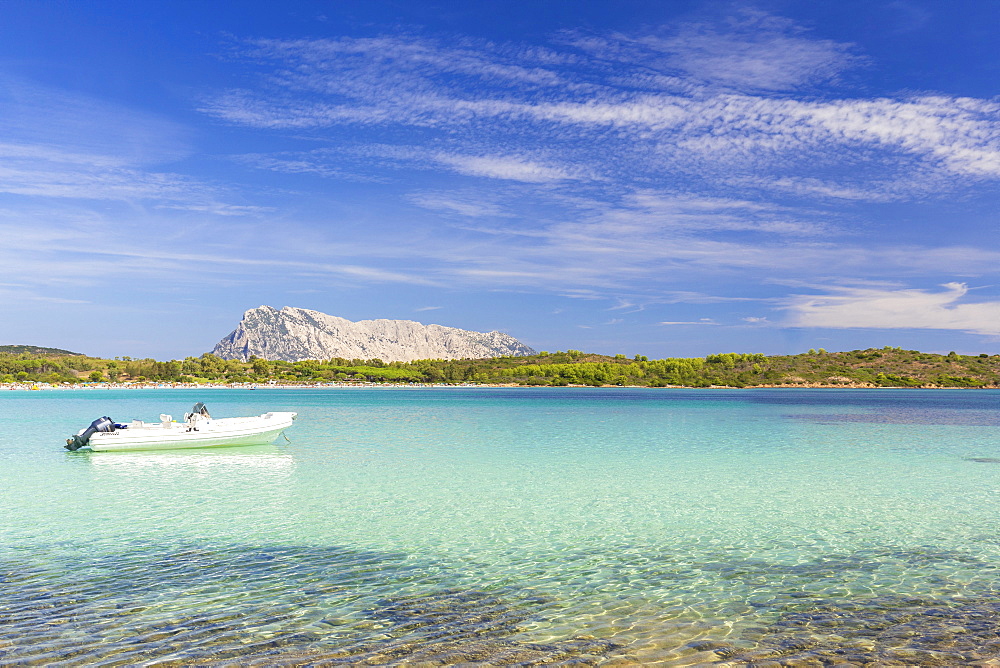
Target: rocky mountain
[(294, 334)]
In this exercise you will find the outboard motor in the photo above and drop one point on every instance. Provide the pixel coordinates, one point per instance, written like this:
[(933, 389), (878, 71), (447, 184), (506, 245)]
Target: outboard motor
[(81, 439), (199, 411)]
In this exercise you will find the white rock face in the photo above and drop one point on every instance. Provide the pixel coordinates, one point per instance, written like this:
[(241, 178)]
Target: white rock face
[(293, 334)]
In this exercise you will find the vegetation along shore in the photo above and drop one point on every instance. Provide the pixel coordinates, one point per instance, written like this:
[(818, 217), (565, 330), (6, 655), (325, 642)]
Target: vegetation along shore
[(883, 367)]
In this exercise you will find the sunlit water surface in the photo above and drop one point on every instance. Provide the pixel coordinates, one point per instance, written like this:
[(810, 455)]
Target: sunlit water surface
[(603, 526)]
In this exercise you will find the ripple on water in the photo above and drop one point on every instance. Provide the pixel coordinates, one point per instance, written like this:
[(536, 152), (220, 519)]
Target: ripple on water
[(192, 604), (683, 528), (293, 605)]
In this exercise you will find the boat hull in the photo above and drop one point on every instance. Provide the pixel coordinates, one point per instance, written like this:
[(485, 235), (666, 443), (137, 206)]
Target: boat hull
[(227, 432)]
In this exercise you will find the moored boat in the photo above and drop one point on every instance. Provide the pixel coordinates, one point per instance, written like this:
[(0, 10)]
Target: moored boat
[(198, 430)]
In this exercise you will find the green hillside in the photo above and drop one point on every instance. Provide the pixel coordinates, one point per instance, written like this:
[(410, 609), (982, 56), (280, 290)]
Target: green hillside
[(884, 367), (37, 351)]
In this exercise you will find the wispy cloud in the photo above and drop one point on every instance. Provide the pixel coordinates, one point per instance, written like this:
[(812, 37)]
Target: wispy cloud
[(749, 50), (497, 105), (703, 321), (56, 248), (220, 208), (48, 171), (70, 146), (525, 167), (470, 206), (12, 293), (319, 162), (412, 58), (349, 163), (903, 308), (96, 132), (626, 306), (512, 168), (819, 189)]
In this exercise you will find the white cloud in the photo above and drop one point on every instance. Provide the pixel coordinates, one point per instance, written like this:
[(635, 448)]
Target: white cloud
[(703, 321), (56, 248), (220, 209), (880, 308), (523, 168), (750, 50), (511, 168), (47, 171), (498, 108), (681, 213), (11, 294), (508, 167), (813, 188), (420, 58), (627, 306), (470, 207), (71, 146), (321, 162), (75, 128)]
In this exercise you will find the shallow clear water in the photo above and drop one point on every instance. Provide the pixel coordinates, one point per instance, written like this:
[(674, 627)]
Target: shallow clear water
[(508, 525)]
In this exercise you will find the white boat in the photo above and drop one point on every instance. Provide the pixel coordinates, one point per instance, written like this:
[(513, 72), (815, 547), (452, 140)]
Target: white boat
[(198, 430)]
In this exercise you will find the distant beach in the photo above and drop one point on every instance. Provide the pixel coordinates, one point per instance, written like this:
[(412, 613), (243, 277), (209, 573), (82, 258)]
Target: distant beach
[(360, 385)]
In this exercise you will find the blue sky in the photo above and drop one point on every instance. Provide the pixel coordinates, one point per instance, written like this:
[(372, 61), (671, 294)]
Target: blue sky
[(658, 178)]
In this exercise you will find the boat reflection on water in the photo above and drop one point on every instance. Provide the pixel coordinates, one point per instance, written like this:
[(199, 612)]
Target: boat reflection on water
[(267, 460)]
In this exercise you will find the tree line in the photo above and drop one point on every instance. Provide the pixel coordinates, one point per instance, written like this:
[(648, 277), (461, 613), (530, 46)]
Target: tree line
[(884, 367)]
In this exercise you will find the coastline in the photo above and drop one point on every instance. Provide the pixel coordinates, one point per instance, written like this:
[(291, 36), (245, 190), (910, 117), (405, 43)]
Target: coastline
[(367, 385)]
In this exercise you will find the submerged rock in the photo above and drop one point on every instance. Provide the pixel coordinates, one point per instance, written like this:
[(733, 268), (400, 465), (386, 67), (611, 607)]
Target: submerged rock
[(881, 631)]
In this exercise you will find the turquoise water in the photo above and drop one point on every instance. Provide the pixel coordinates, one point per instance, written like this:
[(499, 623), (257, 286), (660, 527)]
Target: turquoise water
[(603, 526)]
